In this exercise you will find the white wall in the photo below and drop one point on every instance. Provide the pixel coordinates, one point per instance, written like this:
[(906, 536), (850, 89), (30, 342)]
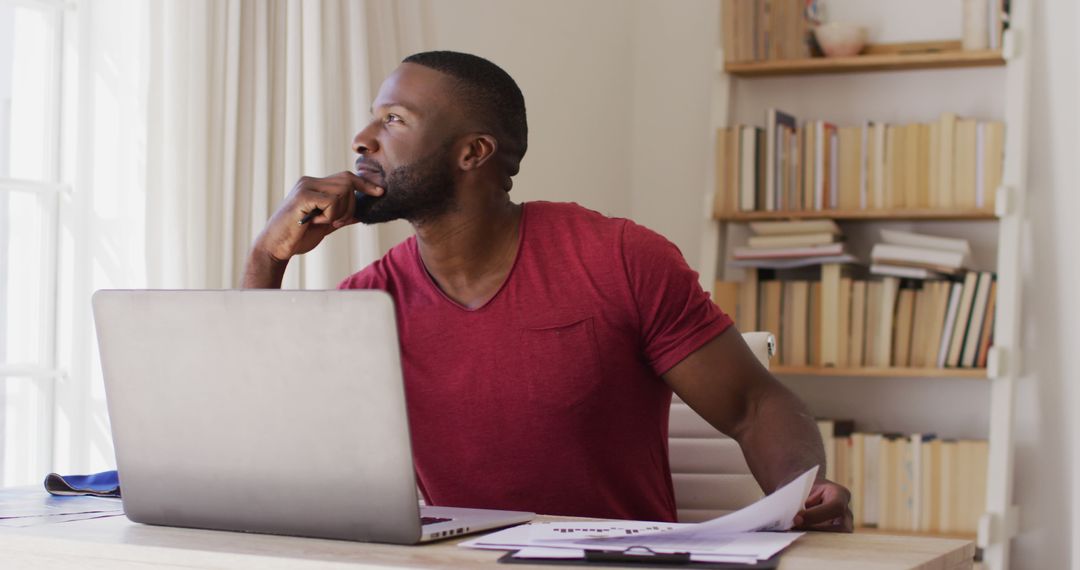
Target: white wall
[(573, 61), (618, 99)]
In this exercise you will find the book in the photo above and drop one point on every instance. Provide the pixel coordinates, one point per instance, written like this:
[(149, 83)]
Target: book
[(871, 479), (849, 168), (858, 478), (947, 329), (946, 159), (726, 296), (788, 252), (906, 272), (964, 163), (988, 328), (857, 328), (976, 321), (916, 240), (747, 319), (790, 240), (769, 313), (905, 314), (963, 314), (829, 331), (843, 324), (993, 164), (749, 175), (813, 350), (890, 290), (794, 227), (778, 127), (919, 256)]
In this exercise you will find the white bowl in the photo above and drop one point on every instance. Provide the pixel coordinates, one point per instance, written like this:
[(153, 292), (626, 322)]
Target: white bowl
[(840, 39)]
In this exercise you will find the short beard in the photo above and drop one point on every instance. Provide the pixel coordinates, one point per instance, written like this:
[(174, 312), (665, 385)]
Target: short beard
[(417, 192)]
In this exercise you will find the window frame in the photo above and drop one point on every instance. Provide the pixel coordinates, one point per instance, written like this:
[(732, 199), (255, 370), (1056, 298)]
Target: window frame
[(46, 371)]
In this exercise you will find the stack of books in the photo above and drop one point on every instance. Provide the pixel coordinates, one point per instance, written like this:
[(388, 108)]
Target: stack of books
[(914, 482), (792, 244), (951, 163), (755, 30), (918, 256), (842, 322)]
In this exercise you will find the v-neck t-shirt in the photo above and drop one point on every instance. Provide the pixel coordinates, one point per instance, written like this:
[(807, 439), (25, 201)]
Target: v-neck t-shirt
[(549, 397)]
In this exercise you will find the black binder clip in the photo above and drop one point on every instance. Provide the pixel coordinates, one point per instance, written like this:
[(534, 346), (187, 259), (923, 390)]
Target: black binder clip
[(638, 554)]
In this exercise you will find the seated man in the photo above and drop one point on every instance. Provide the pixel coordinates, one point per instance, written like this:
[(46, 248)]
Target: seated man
[(541, 342)]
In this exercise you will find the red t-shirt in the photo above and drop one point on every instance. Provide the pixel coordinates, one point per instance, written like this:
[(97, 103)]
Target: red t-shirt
[(549, 398)]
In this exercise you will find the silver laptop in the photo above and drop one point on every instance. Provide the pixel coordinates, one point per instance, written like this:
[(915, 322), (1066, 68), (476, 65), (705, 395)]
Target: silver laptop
[(266, 411)]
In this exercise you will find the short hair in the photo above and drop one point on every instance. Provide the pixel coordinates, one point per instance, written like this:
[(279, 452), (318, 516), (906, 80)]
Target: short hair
[(490, 95)]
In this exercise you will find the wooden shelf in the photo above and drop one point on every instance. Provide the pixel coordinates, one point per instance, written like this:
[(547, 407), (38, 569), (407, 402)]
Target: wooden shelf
[(893, 372), (868, 62), (960, 535), (924, 214)]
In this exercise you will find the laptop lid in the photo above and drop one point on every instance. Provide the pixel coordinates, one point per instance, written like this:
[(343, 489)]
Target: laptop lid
[(260, 410)]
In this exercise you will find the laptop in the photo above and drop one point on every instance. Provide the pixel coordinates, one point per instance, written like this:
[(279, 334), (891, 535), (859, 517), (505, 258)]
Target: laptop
[(267, 411)]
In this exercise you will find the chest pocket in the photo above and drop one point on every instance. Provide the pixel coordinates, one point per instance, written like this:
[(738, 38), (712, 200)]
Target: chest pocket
[(562, 362)]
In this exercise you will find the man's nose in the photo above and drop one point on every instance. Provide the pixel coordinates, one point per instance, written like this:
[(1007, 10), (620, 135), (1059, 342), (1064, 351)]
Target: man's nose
[(364, 142)]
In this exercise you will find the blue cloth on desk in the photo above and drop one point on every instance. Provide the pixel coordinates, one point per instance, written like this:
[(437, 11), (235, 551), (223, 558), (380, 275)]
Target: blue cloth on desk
[(104, 484)]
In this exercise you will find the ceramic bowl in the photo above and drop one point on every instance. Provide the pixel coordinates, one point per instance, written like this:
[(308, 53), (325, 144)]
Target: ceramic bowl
[(840, 39)]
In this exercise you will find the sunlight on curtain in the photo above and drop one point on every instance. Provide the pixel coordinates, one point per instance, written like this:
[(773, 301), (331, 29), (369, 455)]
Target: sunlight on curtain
[(249, 96)]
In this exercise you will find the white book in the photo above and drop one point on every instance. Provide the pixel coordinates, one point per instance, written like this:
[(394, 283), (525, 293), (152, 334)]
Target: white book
[(885, 252), (904, 271), (794, 227), (786, 252), (789, 240), (911, 239), (950, 321), (748, 170)]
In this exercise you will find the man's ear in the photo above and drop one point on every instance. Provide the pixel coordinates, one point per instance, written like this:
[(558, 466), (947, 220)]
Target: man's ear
[(479, 149)]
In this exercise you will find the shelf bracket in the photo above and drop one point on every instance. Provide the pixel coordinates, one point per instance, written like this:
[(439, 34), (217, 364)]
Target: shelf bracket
[(1009, 43), (997, 361), (1004, 201), (995, 527)]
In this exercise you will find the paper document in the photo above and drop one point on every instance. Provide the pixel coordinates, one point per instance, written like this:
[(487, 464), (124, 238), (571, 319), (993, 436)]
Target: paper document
[(732, 537)]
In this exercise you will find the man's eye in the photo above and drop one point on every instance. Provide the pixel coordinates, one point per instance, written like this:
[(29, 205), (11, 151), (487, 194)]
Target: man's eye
[(392, 118)]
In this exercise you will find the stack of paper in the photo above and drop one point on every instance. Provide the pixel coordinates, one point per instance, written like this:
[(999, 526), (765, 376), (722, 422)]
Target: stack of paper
[(741, 536)]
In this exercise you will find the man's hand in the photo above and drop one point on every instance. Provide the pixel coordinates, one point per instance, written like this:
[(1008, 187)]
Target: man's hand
[(284, 236), (827, 508)]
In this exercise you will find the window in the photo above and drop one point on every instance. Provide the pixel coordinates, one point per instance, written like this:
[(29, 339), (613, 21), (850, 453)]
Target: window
[(30, 188)]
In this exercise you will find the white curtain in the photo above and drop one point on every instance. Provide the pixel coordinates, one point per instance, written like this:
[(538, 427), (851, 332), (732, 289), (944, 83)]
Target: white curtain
[(245, 97), (186, 123)]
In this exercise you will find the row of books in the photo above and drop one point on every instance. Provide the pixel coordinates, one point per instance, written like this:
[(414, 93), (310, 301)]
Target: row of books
[(951, 163), (844, 322), (916, 482), (755, 30)]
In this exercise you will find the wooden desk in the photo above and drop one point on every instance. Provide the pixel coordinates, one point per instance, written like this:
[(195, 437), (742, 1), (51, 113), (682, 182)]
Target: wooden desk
[(118, 543)]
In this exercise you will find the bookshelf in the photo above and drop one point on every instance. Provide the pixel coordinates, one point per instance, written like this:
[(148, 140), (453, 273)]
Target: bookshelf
[(841, 215), (741, 91), (872, 372), (868, 62)]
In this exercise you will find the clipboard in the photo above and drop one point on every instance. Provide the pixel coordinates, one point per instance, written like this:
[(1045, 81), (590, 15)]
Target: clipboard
[(641, 557)]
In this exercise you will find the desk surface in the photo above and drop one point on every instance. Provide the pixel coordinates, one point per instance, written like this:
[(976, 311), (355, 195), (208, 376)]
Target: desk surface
[(118, 543)]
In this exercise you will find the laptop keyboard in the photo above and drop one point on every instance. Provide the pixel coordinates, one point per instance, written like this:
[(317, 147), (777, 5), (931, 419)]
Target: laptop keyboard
[(433, 520)]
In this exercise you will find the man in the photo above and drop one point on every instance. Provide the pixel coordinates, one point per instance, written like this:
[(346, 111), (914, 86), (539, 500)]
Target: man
[(540, 342)]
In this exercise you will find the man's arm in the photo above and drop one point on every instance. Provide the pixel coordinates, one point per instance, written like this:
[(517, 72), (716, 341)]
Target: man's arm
[(725, 384), (285, 235)]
